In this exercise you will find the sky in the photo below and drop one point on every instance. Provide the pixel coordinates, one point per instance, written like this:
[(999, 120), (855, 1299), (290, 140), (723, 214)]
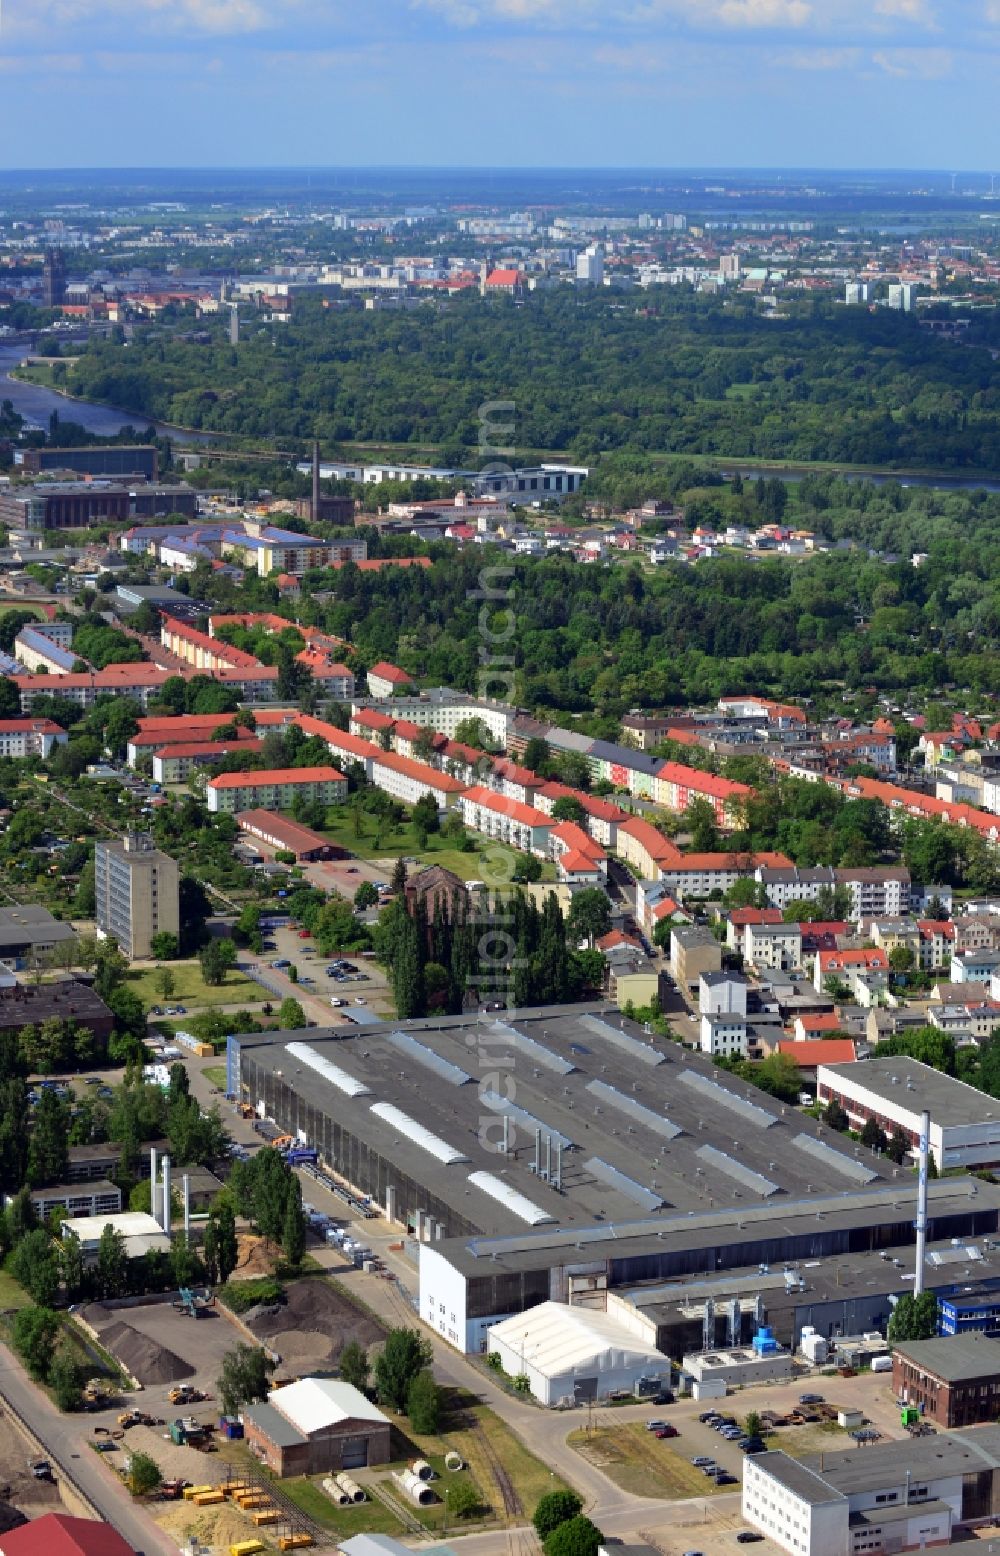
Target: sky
[(544, 83)]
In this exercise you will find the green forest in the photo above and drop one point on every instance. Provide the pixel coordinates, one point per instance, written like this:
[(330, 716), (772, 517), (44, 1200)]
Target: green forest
[(850, 623), (675, 371)]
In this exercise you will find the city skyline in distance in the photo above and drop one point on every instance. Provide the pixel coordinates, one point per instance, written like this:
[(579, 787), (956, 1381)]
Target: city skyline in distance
[(511, 83)]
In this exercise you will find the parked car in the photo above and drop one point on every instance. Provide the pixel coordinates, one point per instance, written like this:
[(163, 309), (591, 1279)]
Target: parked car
[(654, 1426), (811, 1399), (702, 1462), (748, 1537), (667, 1431)]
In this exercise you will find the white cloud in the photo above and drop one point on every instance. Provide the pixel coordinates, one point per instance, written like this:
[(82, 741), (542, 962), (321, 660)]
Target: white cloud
[(817, 59), (27, 17), (915, 64), (908, 10)]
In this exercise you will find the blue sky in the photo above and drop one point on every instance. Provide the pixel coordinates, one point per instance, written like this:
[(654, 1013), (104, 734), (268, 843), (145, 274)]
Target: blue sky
[(659, 83)]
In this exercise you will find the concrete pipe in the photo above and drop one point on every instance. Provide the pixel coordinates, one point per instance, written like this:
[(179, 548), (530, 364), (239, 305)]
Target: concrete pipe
[(350, 1487), (336, 1493), (453, 1461), (416, 1489), (422, 1469)]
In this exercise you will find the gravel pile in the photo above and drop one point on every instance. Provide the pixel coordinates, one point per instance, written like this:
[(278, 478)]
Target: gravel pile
[(143, 1358), (314, 1325)]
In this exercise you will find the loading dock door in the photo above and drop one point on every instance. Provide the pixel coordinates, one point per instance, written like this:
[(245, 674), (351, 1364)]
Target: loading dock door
[(355, 1455), (584, 1389)]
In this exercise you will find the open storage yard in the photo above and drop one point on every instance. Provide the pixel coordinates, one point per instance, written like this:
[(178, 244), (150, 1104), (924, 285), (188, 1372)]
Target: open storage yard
[(161, 1346), (310, 1329)]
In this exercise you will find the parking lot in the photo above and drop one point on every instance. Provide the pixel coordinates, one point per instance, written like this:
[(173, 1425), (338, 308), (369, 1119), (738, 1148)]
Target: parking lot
[(364, 985)]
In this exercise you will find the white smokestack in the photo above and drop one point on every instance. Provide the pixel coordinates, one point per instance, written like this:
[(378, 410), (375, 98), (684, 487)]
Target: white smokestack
[(165, 1223), (925, 1130), (186, 1185)]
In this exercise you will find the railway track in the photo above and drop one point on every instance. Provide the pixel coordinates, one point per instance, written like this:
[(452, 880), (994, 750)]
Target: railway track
[(513, 1507)]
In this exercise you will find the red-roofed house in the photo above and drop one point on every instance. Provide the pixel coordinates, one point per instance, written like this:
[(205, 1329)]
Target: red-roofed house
[(56, 1534), (822, 1050), (864, 971), (386, 680), (569, 842), (814, 1024), (937, 939), (646, 849)]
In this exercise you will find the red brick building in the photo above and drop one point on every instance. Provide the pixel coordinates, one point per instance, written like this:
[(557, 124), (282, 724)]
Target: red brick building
[(954, 1379)]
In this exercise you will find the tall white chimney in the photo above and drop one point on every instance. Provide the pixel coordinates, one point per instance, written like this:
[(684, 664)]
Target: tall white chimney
[(925, 1130), (165, 1223), (153, 1184), (186, 1185)]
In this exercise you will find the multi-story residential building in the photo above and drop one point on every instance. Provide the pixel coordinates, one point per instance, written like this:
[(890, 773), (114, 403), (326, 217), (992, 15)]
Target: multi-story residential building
[(280, 551), (937, 936), (137, 893), (140, 681), (699, 875), (386, 680), (865, 972), (777, 947), (202, 652), (175, 764), (693, 951), (676, 786), (645, 848), (724, 1034), (30, 737), (39, 651), (974, 966), (506, 820), (274, 789), (408, 781)]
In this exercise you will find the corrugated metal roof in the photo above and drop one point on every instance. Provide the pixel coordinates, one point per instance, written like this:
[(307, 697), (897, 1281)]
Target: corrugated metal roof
[(314, 1403), (517, 1204), (532, 1049), (432, 1144), (329, 1071)]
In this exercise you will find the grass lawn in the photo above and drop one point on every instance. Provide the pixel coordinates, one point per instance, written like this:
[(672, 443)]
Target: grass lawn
[(190, 988), (381, 841), (216, 1074), (11, 1294), (33, 610), (365, 1518), (800, 1441), (641, 1464)]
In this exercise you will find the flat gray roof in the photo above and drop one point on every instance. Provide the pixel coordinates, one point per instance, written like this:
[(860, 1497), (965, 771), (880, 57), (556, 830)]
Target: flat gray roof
[(858, 1470), (916, 1086), (958, 1358), (274, 1425), (551, 1060), (799, 1478)]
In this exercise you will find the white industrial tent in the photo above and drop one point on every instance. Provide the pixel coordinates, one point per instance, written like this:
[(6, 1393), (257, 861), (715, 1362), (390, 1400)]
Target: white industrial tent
[(576, 1353)]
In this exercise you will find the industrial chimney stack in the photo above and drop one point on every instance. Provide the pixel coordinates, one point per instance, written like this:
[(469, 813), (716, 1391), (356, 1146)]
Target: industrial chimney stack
[(925, 1130)]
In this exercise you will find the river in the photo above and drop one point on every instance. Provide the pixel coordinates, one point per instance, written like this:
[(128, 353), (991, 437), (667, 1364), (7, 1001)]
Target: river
[(36, 404)]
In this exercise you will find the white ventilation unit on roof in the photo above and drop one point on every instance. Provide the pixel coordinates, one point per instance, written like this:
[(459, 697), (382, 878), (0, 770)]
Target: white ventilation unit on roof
[(518, 1204), (417, 1134), (329, 1071)]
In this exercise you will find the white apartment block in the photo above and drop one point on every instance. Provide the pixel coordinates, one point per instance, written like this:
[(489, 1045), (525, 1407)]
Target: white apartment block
[(408, 781), (724, 1035), (506, 821)]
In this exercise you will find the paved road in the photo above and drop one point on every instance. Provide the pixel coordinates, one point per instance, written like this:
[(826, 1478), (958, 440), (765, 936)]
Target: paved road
[(64, 1441)]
